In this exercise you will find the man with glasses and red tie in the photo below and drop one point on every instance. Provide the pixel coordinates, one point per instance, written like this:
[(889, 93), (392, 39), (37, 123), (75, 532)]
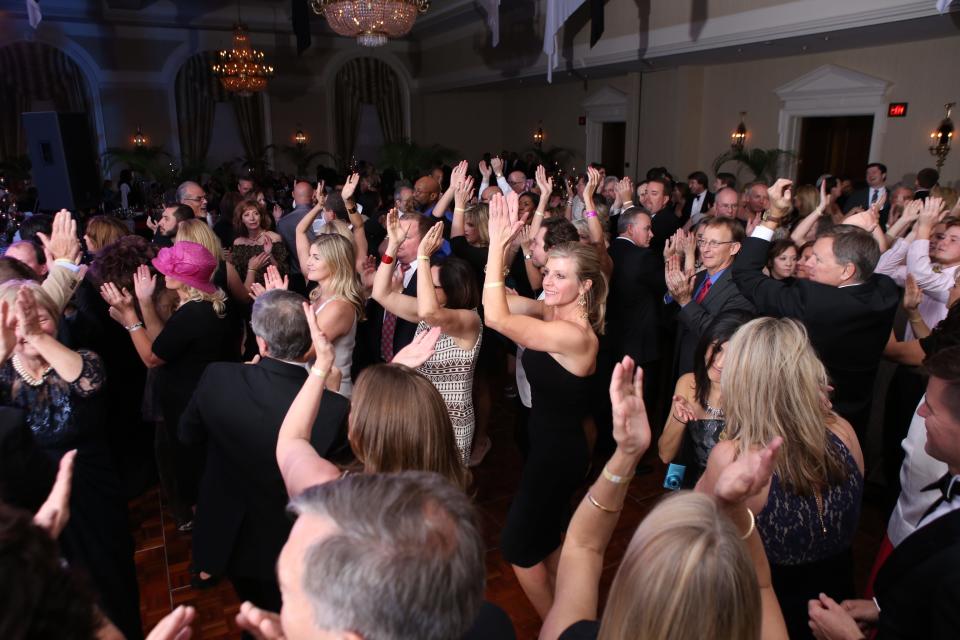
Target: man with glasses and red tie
[(705, 295)]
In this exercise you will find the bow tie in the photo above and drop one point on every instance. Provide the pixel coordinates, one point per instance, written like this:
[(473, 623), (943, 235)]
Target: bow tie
[(949, 489)]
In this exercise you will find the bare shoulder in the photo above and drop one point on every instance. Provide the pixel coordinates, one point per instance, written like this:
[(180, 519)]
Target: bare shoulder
[(844, 430), (686, 386)]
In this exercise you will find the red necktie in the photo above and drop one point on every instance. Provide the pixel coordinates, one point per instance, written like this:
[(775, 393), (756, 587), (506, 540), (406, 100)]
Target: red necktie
[(389, 328), (704, 290)]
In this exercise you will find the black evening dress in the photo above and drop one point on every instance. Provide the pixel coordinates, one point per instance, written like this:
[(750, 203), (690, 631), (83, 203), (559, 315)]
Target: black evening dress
[(69, 415), (557, 462)]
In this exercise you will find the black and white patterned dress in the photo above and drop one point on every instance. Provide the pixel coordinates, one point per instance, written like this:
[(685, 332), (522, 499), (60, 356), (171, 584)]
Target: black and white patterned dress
[(450, 369)]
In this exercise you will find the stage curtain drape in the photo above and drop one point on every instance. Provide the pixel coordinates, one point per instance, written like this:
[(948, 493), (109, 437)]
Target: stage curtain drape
[(367, 81), (249, 112), (34, 71)]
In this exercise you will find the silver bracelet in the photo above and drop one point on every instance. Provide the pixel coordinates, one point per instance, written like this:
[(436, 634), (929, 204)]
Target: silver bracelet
[(134, 327)]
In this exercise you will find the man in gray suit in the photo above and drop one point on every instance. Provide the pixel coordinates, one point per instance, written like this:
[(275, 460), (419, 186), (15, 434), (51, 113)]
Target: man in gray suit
[(710, 292), (287, 228)]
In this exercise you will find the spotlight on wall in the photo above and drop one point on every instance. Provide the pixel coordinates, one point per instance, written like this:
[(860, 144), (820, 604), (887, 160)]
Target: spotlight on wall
[(941, 137), (139, 140), (739, 135), (538, 136), (300, 137)]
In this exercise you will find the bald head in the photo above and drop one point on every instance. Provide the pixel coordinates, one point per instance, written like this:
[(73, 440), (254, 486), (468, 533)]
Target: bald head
[(726, 202), (303, 194), (426, 191), (489, 192), (517, 181)]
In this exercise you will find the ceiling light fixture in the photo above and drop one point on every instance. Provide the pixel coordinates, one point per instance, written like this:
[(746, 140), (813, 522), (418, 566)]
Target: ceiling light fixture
[(371, 22)]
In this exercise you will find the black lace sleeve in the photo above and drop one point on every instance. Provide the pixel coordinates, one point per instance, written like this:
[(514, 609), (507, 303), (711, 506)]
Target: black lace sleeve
[(91, 377)]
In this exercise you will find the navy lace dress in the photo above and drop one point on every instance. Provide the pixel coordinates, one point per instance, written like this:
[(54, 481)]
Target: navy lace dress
[(69, 415), (809, 545)]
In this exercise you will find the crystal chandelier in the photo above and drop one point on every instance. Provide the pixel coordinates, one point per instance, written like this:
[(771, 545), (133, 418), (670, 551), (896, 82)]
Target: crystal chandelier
[(241, 69), (371, 22)]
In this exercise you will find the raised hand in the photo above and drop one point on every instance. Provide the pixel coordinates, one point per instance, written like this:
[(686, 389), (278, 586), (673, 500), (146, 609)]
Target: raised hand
[(431, 241), (256, 290), (119, 299), (277, 212), (152, 224), (753, 222), (631, 427), (503, 224), (62, 243), (781, 196), (593, 181), (8, 331), (175, 625), (322, 348), (144, 283), (419, 350), (350, 186), (866, 220), (670, 247), (496, 164), (28, 318), (54, 513), (395, 233), (824, 196), (259, 623), (544, 184), (463, 192), (272, 279), (749, 474), (930, 214), (912, 294), (679, 283), (458, 174), (484, 170), (625, 190)]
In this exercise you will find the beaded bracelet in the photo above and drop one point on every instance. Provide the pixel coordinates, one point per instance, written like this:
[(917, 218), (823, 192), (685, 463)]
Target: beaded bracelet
[(134, 327)]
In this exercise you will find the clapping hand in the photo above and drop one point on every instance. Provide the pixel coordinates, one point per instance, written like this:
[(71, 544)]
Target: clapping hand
[(824, 197), (544, 183), (930, 214), (259, 623), (458, 174), (462, 193), (749, 474), (256, 263), (62, 243), (866, 220), (496, 164), (625, 191), (349, 186), (593, 181), (28, 318), (120, 301), (631, 427), (419, 350), (144, 283), (395, 232), (679, 283), (781, 197), (484, 170), (912, 295), (272, 279), (431, 241), (504, 222)]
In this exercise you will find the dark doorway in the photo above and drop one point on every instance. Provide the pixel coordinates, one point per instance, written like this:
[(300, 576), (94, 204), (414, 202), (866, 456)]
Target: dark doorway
[(613, 145), (838, 145)]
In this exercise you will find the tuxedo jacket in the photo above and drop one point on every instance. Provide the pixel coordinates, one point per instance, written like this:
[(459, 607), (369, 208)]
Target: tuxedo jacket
[(918, 587), (695, 317), (707, 203), (665, 224), (369, 332), (861, 198), (848, 326), (237, 409), (633, 306)]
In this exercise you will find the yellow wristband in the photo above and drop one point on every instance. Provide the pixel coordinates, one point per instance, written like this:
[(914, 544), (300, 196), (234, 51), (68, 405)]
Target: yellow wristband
[(615, 479), (538, 213), (459, 210), (320, 373), (422, 257), (493, 285)]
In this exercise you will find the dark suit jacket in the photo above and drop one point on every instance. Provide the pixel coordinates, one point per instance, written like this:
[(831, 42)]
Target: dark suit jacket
[(26, 472), (665, 224), (633, 306), (918, 587), (861, 198), (695, 317), (241, 520), (369, 332), (848, 327), (707, 203)]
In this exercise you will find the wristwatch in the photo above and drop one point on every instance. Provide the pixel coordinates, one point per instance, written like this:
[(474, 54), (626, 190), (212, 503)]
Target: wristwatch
[(769, 217)]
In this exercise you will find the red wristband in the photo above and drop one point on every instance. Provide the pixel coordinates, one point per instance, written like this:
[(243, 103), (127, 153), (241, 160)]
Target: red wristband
[(385, 259), (590, 214)]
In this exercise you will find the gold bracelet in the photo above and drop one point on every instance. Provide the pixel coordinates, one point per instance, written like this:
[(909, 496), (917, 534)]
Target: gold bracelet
[(493, 285), (317, 371), (423, 257), (615, 479), (459, 210), (537, 213), (594, 502), (753, 522)]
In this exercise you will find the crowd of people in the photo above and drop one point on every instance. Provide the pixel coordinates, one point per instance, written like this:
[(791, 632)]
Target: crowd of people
[(340, 358)]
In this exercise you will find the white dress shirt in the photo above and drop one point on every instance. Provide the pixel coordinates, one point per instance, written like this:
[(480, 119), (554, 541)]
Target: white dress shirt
[(698, 201)]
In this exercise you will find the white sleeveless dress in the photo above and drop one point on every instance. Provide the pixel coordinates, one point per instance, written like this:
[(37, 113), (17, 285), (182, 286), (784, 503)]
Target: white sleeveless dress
[(343, 354)]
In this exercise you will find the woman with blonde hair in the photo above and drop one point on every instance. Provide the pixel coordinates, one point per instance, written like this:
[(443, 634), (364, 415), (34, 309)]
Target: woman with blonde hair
[(339, 210), (695, 567), (774, 386), (398, 420), (559, 336), (226, 276)]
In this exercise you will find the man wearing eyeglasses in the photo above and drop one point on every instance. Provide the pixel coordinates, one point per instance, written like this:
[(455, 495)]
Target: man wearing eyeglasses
[(193, 195), (710, 292)]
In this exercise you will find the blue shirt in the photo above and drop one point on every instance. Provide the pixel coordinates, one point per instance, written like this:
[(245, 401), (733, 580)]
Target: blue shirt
[(667, 299)]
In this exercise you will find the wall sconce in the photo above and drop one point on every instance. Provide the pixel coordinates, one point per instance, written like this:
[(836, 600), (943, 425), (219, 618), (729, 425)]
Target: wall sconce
[(300, 138), (538, 136), (941, 138), (739, 136), (139, 140)]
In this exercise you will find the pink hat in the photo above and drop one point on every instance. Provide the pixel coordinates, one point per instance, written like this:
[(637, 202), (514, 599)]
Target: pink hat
[(188, 262)]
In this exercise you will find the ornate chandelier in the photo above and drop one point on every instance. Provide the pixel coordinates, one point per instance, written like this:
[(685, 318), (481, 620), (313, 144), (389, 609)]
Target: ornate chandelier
[(371, 22), (241, 69)]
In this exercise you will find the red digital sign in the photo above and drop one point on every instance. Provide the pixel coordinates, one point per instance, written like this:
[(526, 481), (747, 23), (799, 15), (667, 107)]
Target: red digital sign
[(897, 110)]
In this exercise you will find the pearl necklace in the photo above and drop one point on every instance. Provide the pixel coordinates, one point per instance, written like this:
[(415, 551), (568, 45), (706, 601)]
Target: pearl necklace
[(26, 377)]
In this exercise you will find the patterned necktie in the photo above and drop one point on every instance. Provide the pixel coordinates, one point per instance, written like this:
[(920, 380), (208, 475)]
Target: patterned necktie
[(704, 290), (389, 328), (876, 194), (948, 491)]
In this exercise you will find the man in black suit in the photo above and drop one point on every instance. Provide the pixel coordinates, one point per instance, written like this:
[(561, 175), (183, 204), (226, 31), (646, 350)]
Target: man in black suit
[(847, 309), (384, 334), (665, 220), (926, 179), (710, 293), (876, 188), (241, 520), (700, 199), (918, 586), (636, 289)]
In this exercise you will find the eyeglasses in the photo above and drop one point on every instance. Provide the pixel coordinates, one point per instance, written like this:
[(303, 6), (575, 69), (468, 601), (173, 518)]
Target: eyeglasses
[(712, 244), (196, 198)]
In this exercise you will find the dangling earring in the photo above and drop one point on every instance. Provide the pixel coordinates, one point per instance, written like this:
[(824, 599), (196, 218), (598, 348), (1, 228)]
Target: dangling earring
[(582, 303)]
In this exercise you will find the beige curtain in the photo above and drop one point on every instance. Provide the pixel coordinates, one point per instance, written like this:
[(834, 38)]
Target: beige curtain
[(368, 81), (34, 71)]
